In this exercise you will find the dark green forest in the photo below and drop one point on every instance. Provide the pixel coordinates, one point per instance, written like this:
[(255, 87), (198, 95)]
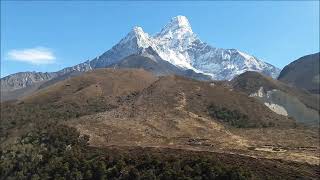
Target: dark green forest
[(235, 118), (60, 152)]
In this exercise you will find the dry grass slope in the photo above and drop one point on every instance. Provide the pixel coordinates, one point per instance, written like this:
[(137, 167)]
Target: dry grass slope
[(135, 108)]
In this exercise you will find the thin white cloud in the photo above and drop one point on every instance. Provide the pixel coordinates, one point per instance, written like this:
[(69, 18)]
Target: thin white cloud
[(36, 56)]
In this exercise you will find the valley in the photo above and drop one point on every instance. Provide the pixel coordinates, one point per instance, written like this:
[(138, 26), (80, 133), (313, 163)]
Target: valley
[(161, 106)]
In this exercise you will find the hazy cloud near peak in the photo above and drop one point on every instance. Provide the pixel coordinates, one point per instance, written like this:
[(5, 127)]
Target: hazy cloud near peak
[(36, 56)]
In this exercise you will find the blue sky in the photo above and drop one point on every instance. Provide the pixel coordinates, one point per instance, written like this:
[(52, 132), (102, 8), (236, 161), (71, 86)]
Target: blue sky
[(48, 35)]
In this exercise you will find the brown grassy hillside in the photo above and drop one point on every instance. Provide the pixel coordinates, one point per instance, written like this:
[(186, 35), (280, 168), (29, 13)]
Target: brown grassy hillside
[(89, 93), (134, 108)]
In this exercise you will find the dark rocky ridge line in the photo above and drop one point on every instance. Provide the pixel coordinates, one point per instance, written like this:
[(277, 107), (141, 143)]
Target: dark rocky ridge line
[(303, 73)]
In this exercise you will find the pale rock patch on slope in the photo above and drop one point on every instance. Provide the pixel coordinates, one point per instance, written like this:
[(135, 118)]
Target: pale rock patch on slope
[(277, 108), (260, 94), (287, 105)]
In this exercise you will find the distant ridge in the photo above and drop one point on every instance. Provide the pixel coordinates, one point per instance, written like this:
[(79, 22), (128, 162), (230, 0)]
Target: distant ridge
[(303, 73), (175, 47)]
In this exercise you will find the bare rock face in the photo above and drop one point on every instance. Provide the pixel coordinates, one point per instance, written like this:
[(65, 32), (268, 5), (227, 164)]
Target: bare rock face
[(303, 73), (23, 79), (280, 97), (21, 84)]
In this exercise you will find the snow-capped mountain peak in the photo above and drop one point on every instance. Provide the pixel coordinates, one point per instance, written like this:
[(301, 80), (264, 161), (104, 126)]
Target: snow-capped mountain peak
[(178, 22), (177, 44), (137, 29), (178, 25), (139, 33), (138, 36)]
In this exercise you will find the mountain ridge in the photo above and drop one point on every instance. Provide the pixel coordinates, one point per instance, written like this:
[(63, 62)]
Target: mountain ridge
[(175, 43), (303, 73)]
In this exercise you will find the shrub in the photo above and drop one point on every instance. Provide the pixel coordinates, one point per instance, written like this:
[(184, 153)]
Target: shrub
[(231, 117), (60, 152)]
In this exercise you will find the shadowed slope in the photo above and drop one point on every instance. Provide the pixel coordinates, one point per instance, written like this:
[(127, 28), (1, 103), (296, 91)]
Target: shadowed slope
[(158, 67), (303, 73), (300, 104)]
